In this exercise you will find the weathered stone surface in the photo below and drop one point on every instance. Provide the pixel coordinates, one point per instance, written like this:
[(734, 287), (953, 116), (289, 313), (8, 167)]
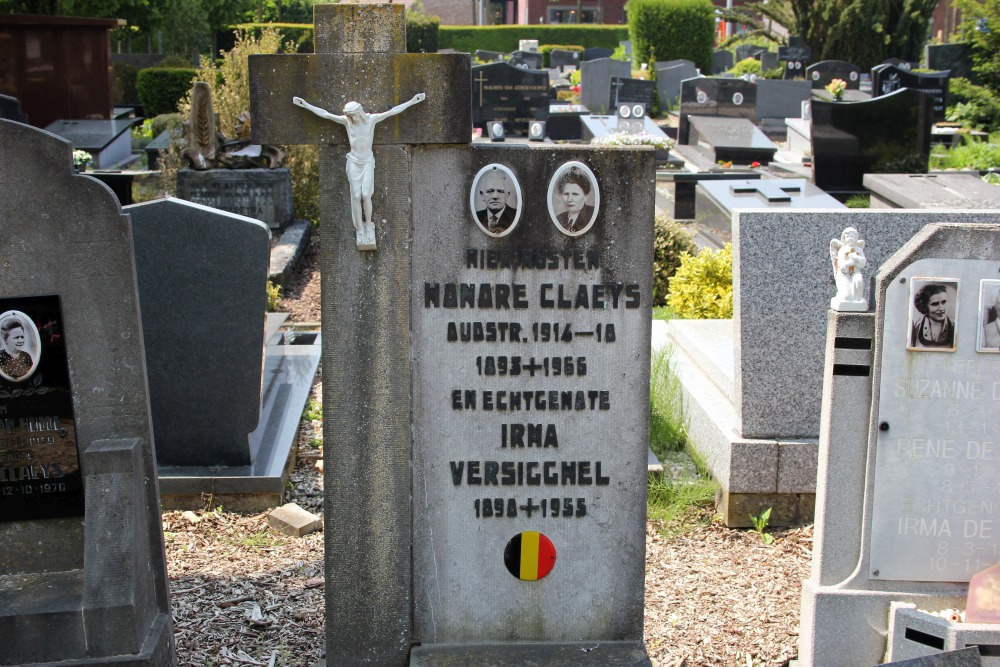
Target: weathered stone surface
[(263, 194), (290, 519)]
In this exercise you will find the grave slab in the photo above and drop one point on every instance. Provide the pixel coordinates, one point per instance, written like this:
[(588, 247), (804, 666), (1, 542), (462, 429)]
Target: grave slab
[(713, 96), (108, 141), (939, 190), (735, 140)]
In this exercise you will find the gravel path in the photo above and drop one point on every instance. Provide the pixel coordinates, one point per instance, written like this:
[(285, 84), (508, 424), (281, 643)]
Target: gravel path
[(244, 595)]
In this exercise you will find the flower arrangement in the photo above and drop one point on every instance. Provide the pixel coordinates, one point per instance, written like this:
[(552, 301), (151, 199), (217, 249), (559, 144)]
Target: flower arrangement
[(633, 139), (81, 159), (837, 88)]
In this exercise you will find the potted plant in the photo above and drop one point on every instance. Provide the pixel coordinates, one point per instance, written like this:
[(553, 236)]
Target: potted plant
[(836, 88), (82, 160)]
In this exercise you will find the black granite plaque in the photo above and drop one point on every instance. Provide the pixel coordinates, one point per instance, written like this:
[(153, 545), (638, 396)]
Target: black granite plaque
[(713, 96), (39, 461), (508, 94), (825, 71), (526, 59), (631, 91), (888, 78), (884, 135), (802, 54)]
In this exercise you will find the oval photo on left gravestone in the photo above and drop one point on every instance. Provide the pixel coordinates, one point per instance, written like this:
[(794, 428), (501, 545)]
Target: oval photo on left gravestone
[(495, 200), (20, 346), (574, 199)]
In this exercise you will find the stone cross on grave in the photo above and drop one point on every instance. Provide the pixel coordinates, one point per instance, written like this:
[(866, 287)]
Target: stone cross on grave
[(772, 194), (361, 59)]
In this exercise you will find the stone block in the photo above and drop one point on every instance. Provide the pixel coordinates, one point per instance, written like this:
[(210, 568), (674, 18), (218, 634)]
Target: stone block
[(262, 194), (290, 519)]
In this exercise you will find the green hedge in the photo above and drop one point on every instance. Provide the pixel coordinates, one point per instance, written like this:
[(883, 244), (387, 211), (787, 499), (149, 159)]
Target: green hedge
[(160, 88), (672, 29), (422, 33), (504, 38)]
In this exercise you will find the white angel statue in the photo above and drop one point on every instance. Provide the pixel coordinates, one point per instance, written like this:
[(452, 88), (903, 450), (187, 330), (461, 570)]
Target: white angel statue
[(848, 257)]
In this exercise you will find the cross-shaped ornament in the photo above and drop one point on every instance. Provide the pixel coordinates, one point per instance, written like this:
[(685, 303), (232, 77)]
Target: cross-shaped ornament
[(360, 60)]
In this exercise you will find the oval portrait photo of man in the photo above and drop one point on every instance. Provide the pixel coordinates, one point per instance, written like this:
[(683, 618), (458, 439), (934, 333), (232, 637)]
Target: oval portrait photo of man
[(21, 346), (574, 199), (495, 200)]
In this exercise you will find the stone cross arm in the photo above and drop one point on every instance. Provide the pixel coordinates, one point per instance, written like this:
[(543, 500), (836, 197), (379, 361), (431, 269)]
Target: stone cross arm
[(378, 81)]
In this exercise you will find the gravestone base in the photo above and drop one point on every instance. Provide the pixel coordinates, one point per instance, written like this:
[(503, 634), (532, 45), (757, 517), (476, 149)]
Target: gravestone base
[(290, 363), (551, 654), (861, 615), (753, 474), (264, 194), (915, 634)]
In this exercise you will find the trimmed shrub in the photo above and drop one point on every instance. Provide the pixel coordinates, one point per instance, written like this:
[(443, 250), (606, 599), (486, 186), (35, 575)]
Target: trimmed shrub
[(161, 88), (671, 240), (671, 30), (702, 287), (504, 38), (174, 60), (421, 33), (746, 66)]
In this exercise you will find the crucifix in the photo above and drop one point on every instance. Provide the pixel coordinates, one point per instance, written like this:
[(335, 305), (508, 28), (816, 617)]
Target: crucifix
[(356, 62)]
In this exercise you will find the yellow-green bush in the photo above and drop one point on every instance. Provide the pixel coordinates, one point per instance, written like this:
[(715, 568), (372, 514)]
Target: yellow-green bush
[(702, 287), (671, 241)]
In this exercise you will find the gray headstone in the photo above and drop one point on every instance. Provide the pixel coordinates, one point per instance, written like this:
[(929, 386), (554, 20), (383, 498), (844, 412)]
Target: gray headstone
[(781, 99), (596, 52), (595, 82), (83, 576), (204, 343), (722, 61), (526, 59), (262, 194), (108, 141), (669, 76), (744, 51), (560, 58), (897, 529), (768, 60)]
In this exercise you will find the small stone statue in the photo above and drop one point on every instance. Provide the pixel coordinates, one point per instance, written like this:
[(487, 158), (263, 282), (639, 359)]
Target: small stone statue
[(360, 160), (848, 257)]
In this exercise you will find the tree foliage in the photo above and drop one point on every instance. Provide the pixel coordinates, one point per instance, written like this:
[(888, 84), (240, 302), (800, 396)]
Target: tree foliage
[(980, 28)]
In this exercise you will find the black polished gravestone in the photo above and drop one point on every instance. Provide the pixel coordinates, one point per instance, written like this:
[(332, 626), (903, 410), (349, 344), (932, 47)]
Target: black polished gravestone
[(884, 135), (562, 58), (887, 78), (955, 57), (526, 59), (745, 51), (83, 577), (489, 56), (735, 140), (10, 109), (713, 96), (631, 91), (821, 73), (513, 96), (906, 65)]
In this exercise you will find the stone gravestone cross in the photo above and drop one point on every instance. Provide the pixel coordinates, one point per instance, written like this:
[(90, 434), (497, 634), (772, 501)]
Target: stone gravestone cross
[(360, 55)]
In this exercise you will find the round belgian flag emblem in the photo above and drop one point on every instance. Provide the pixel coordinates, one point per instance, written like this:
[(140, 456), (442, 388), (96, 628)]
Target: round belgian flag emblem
[(529, 556)]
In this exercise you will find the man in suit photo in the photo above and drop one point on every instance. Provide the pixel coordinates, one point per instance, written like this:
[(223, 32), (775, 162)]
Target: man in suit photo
[(494, 191)]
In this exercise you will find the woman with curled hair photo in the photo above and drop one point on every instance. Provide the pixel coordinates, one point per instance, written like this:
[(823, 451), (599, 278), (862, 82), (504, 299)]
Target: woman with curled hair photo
[(935, 329), (572, 189), (15, 363)]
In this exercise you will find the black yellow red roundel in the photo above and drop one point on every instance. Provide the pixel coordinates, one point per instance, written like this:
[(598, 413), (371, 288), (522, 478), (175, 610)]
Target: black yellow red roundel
[(529, 556)]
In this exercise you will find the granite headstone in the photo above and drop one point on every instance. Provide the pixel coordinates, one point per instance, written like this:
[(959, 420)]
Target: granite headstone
[(888, 78), (744, 51), (722, 61), (10, 109), (513, 96), (821, 73), (938, 190), (669, 76), (735, 140), (713, 96), (526, 59), (628, 91), (562, 58), (955, 57), (83, 576), (595, 82), (262, 194), (489, 56), (887, 134), (596, 52)]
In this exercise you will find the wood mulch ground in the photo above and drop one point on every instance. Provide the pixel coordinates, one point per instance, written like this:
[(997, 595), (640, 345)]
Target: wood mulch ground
[(245, 595)]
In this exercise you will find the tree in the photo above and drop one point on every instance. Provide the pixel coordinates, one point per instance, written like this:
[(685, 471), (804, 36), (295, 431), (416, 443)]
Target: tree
[(980, 28)]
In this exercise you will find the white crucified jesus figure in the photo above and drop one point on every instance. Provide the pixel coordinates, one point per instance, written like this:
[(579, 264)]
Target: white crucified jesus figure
[(360, 160)]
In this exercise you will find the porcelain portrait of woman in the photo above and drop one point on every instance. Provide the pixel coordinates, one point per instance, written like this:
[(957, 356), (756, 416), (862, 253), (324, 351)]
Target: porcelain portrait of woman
[(933, 314), (989, 316), (20, 354), (574, 198)]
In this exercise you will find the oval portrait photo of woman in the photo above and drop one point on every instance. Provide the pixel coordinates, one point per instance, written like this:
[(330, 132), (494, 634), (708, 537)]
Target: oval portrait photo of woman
[(21, 346), (574, 198), (495, 200)]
